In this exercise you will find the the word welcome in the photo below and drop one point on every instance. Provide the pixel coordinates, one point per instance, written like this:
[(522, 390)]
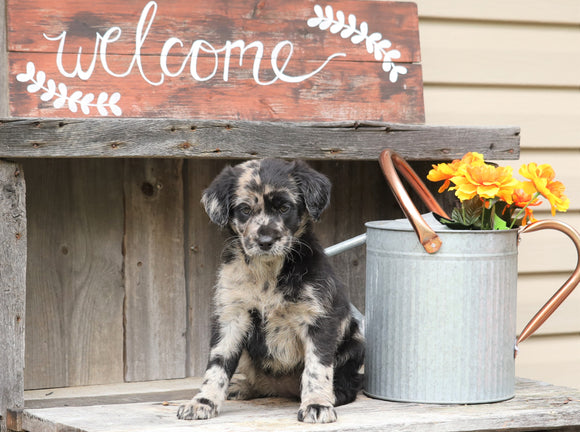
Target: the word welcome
[(282, 52)]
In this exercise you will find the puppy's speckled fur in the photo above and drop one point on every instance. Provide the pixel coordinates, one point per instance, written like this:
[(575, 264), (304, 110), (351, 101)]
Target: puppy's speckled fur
[(281, 319)]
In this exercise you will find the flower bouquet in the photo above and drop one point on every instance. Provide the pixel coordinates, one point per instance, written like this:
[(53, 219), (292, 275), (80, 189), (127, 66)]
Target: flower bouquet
[(491, 198)]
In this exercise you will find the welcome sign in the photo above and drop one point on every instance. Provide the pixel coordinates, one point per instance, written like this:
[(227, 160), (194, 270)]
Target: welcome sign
[(304, 60)]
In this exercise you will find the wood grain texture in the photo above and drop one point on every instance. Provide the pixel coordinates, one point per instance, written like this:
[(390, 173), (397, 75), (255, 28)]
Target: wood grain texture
[(245, 139), (366, 93), (74, 332), (536, 406), (155, 308), (13, 238), (203, 246), (4, 92), (213, 21), (200, 75)]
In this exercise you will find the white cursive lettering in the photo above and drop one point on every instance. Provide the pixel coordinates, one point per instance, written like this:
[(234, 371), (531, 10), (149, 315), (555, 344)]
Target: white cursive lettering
[(208, 52)]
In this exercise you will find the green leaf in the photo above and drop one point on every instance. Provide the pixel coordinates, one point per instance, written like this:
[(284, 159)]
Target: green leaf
[(499, 223)]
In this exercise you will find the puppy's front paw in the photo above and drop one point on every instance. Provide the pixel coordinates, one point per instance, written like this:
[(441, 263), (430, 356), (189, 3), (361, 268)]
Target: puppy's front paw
[(197, 409), (316, 413)]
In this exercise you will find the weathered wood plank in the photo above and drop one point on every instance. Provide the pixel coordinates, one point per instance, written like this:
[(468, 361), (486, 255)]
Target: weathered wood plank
[(367, 95), (268, 22), (241, 139), (155, 306), (104, 394), (4, 92), (74, 332), (536, 406), (203, 246), (13, 238)]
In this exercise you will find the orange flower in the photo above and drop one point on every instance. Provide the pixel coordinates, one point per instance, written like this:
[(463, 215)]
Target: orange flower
[(522, 199), (542, 179), (486, 181), (446, 171), (529, 216)]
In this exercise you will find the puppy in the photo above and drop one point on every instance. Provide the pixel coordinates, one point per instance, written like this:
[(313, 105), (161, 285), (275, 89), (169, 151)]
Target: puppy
[(281, 318)]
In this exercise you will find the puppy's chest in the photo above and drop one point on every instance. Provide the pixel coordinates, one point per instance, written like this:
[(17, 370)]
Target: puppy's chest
[(278, 326)]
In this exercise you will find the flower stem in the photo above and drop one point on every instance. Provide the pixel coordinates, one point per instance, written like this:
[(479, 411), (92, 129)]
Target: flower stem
[(524, 209)]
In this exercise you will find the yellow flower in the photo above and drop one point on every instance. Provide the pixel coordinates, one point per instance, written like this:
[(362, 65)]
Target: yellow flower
[(446, 171), (542, 180), (486, 181)]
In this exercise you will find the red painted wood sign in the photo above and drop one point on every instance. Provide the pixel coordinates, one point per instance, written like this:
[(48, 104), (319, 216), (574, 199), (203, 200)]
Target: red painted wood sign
[(304, 60)]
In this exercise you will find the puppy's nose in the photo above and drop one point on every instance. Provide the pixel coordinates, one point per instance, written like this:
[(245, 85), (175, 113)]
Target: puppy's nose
[(265, 241)]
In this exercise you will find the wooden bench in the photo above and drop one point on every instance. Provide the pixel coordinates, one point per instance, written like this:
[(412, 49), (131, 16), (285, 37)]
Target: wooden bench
[(107, 256)]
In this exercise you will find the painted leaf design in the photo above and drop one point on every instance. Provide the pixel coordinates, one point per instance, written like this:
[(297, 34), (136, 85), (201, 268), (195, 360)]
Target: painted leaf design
[(40, 78), (85, 101), (374, 43), (395, 54), (357, 38), (28, 75), (63, 89), (347, 32), (352, 20), (115, 97), (60, 93), (329, 12), (339, 24), (384, 44), (325, 24), (50, 91), (33, 88), (314, 22), (73, 100), (318, 11), (59, 102)]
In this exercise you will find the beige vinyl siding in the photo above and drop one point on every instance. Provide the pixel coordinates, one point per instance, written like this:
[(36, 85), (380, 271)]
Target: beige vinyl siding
[(518, 63)]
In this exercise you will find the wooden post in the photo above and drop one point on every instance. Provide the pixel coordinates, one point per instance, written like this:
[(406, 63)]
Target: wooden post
[(12, 267), (12, 289), (4, 106)]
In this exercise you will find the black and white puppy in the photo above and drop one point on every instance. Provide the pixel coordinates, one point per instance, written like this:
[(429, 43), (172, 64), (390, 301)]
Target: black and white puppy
[(281, 318)]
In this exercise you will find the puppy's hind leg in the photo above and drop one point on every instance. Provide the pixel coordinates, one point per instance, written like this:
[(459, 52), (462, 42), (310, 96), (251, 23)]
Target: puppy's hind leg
[(348, 380), (243, 387)]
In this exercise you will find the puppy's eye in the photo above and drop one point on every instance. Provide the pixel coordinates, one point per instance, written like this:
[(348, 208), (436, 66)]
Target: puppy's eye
[(245, 210), (284, 209)]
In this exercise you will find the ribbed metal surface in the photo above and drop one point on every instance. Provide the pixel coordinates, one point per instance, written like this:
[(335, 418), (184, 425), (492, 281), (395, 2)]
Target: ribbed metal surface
[(440, 328)]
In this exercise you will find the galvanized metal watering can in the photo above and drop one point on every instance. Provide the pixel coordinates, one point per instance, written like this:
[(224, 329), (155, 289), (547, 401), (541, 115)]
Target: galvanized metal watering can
[(440, 318)]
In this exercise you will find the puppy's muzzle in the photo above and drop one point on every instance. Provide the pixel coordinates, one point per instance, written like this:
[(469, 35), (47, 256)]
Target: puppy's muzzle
[(266, 238)]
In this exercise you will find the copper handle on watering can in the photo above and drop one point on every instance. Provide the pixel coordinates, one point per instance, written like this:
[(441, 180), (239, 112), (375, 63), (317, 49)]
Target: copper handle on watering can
[(388, 161), (566, 289)]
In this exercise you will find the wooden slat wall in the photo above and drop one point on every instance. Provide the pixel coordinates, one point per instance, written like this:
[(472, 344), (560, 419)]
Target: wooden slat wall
[(155, 306), (74, 297), (518, 63)]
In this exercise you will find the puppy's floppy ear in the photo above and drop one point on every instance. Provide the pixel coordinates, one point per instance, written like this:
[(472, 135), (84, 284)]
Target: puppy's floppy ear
[(217, 197), (315, 188)]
